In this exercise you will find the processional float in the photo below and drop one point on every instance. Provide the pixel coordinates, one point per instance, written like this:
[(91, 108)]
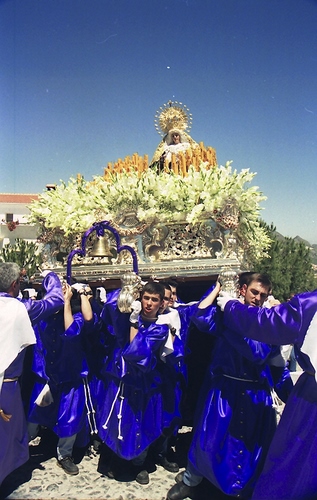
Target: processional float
[(178, 215)]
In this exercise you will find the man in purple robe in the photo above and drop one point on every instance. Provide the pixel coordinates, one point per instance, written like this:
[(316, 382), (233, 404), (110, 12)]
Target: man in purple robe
[(289, 471), (171, 367), (61, 398), (235, 419), (130, 412)]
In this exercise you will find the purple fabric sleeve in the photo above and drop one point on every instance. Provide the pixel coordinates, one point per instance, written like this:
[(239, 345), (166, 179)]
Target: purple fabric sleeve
[(52, 302), (206, 319), (283, 324)]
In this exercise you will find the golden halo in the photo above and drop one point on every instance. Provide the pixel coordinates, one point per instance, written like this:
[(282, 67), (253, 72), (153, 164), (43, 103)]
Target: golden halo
[(173, 114)]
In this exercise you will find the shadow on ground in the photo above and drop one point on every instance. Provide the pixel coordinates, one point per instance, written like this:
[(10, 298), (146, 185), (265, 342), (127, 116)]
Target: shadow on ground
[(108, 462), (39, 454)]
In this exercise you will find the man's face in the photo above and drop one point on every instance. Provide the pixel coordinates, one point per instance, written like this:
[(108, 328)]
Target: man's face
[(23, 275), (255, 294), (166, 300), (173, 296), (151, 302)]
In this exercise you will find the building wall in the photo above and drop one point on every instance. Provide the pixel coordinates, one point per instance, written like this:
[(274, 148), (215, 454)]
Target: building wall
[(15, 207)]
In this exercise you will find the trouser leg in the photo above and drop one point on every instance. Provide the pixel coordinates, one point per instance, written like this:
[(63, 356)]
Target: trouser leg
[(65, 446), (191, 476), (140, 459), (33, 430)]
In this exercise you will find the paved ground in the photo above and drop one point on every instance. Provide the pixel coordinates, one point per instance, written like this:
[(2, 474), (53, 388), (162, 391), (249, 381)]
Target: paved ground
[(42, 479)]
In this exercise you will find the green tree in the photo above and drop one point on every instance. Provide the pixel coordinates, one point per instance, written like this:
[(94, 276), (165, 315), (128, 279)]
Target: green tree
[(289, 266), (24, 253)]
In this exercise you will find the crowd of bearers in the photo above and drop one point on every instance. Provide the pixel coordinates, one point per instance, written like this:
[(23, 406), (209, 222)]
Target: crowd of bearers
[(120, 377), (101, 373)]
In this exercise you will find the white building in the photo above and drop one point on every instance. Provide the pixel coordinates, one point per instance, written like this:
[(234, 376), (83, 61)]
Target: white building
[(13, 208)]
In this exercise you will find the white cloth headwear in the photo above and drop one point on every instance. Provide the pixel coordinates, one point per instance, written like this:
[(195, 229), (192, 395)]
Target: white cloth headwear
[(78, 286), (309, 346), (45, 397), (172, 319), (102, 293), (16, 332), (31, 291)]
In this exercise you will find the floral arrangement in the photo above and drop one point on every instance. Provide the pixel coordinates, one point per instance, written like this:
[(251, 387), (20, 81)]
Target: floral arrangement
[(204, 192), (11, 225)]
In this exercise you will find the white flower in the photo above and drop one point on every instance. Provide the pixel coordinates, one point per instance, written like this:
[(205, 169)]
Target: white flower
[(75, 206)]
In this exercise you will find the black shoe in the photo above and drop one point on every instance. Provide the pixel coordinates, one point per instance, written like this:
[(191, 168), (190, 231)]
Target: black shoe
[(142, 477), (169, 466), (88, 452), (179, 477), (96, 444), (68, 465), (179, 491)]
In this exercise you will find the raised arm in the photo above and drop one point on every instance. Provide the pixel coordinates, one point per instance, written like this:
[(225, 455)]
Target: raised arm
[(207, 301), (86, 295), (52, 301), (68, 315), (283, 324)]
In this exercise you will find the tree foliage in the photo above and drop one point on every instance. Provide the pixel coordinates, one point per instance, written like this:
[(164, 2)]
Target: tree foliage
[(24, 253), (289, 266)]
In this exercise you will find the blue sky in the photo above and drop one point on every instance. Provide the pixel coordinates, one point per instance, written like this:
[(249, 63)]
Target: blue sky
[(81, 81)]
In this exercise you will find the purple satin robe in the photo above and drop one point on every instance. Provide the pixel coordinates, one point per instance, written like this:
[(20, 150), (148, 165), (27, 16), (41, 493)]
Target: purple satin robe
[(290, 468), (60, 361), (174, 374), (52, 302), (235, 420), (131, 414), (130, 406)]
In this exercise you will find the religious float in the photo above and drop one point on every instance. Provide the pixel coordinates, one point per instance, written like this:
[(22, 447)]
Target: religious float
[(178, 215)]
